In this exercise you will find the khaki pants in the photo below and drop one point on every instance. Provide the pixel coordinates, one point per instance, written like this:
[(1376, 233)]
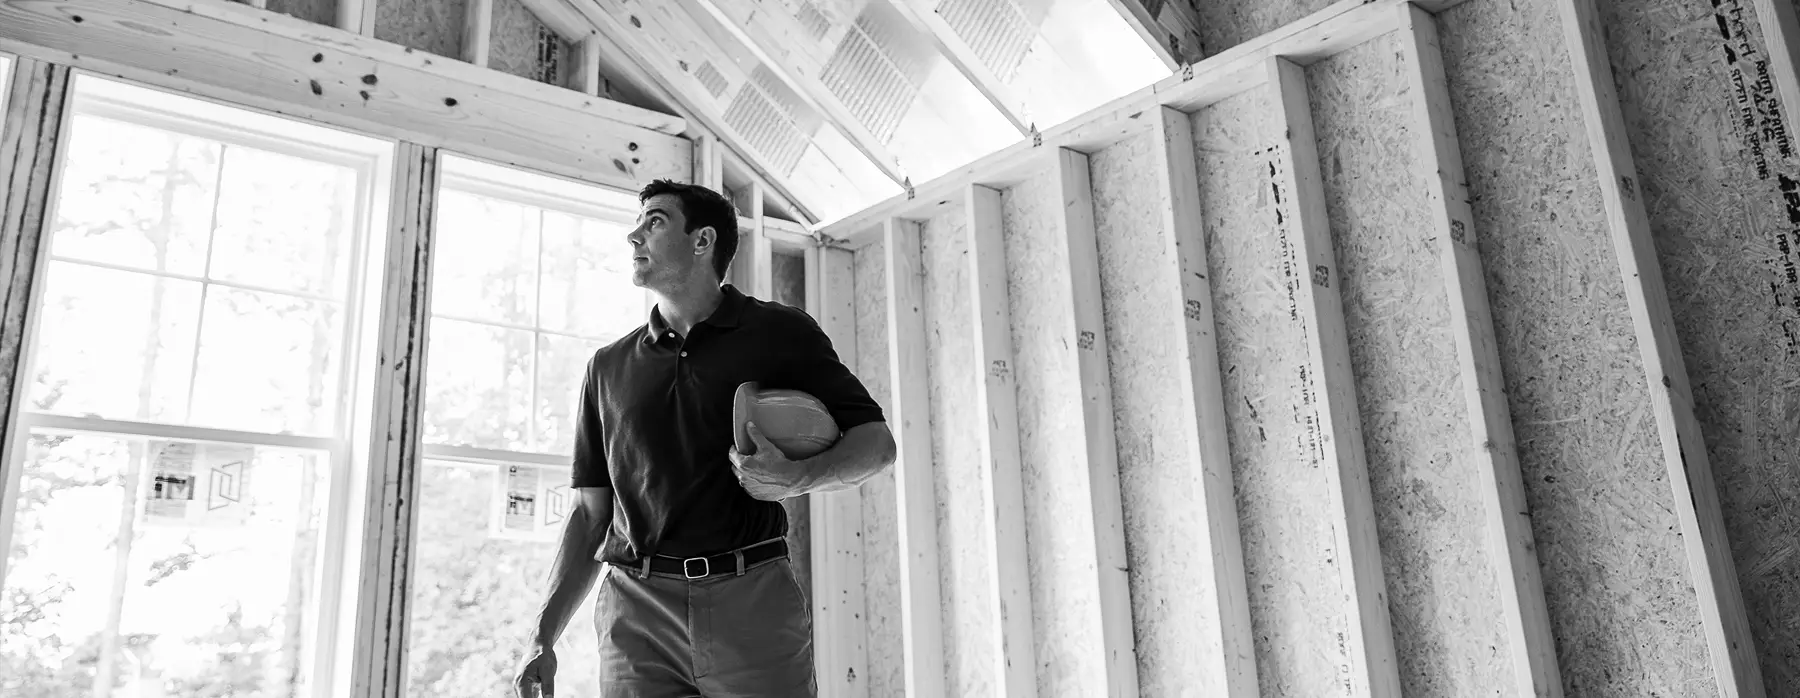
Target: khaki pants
[(730, 636)]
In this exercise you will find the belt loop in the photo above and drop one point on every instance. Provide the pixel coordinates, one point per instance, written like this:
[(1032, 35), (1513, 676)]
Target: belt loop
[(739, 554), (644, 570)]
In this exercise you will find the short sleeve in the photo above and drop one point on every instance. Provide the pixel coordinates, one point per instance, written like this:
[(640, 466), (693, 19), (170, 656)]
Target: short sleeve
[(817, 371), (590, 435)]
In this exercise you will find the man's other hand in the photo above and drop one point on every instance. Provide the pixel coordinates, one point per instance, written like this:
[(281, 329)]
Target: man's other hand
[(767, 474), (537, 676)]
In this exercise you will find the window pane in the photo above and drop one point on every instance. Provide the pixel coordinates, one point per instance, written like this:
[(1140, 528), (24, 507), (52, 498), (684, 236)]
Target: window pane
[(136, 196), (478, 386), (269, 362), (285, 223), (561, 362), (114, 344), (486, 265), (587, 278), (174, 567), (480, 578)]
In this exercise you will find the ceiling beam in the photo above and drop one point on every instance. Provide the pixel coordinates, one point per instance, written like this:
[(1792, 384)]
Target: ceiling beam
[(924, 17), (667, 76), (754, 36), (1173, 32)]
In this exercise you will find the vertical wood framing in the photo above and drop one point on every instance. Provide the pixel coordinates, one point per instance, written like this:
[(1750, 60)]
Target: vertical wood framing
[(1331, 387), (1781, 38), (921, 617), (1106, 508), (1695, 497), (709, 163), (1001, 477), (761, 253), (356, 16), (1531, 649), (478, 31), (840, 629), (34, 126), (1229, 657), (587, 74), (378, 659)]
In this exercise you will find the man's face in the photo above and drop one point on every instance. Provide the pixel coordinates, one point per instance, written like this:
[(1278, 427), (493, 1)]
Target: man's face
[(662, 253)]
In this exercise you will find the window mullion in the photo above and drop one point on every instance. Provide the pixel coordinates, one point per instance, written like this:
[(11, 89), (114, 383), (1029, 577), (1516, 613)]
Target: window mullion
[(387, 496), (35, 124)]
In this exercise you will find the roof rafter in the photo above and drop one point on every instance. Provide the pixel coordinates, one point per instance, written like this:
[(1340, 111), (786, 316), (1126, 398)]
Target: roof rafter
[(808, 86), (924, 17), (687, 93), (1173, 30)]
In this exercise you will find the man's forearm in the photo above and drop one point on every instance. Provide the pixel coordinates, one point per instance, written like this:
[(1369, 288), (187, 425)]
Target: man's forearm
[(862, 453), (572, 573)]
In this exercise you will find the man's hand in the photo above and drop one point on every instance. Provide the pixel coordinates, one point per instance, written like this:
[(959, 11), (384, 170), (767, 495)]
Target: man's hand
[(537, 676), (767, 474)]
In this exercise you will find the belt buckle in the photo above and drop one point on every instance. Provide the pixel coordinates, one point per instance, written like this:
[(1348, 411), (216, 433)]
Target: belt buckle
[(687, 567)]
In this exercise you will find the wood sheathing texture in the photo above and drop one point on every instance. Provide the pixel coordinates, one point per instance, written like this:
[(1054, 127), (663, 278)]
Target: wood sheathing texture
[(1231, 22), (966, 555), (788, 272), (1717, 168), (433, 26), (315, 11), (1442, 592), (1297, 604), (1158, 479), (1052, 448), (519, 49), (881, 536), (1619, 592)]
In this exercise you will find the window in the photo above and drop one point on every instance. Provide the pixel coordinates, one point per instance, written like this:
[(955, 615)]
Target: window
[(531, 276), (182, 447)]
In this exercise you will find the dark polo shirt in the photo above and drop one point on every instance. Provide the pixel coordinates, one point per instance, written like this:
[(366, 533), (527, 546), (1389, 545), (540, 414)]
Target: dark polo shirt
[(655, 424)]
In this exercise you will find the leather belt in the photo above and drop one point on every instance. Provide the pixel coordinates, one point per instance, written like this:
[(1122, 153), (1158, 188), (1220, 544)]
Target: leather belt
[(720, 564)]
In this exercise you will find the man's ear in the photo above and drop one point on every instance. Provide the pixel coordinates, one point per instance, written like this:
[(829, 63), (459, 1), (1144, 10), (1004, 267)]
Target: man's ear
[(704, 238)]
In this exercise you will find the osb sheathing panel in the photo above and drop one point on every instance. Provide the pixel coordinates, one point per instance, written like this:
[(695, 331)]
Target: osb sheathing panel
[(515, 42), (1158, 478), (881, 537), (1442, 593), (1297, 604), (1715, 189), (1620, 596), (1053, 454), (433, 26), (965, 556), (315, 11), (1227, 23)]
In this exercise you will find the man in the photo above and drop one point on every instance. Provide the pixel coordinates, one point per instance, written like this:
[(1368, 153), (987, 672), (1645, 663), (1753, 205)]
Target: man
[(683, 532)]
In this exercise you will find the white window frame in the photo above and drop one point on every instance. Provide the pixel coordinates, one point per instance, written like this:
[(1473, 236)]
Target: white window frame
[(467, 174), (245, 127)]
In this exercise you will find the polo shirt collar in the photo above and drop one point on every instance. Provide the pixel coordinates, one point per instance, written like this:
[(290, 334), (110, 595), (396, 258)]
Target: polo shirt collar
[(731, 307)]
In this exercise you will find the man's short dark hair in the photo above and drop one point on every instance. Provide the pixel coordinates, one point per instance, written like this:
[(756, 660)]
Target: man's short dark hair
[(702, 207)]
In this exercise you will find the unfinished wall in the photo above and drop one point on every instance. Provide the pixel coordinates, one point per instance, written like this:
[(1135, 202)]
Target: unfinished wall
[(523, 46), (1718, 166), (1445, 610), (965, 556), (881, 535), (315, 11), (1622, 606), (1227, 24), (1052, 447), (433, 26), (1296, 603), (1159, 481)]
